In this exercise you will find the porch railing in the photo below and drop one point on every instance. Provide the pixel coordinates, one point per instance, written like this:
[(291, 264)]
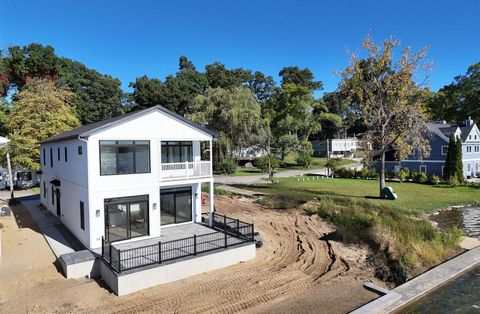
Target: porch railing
[(185, 170), (229, 233)]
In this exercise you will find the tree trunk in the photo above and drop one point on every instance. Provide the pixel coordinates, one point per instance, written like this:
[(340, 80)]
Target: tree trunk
[(382, 173), (10, 180)]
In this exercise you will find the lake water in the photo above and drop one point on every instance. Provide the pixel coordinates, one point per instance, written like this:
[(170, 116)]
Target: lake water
[(461, 295)]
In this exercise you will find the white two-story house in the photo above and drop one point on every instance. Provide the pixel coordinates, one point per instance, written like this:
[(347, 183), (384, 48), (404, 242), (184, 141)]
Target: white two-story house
[(130, 189), (127, 177)]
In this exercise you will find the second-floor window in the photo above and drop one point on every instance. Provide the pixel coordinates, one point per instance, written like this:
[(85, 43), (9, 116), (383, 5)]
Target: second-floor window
[(469, 149), (177, 151), (124, 157)]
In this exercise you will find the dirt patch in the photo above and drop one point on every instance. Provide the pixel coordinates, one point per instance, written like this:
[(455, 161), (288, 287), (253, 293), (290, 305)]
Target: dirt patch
[(297, 269)]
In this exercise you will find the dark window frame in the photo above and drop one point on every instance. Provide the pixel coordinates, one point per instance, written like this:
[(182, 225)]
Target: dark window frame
[(53, 195), (116, 145), (80, 150), (127, 200), (166, 144), (175, 191), (44, 157), (82, 215), (44, 190), (66, 154), (58, 153), (51, 157)]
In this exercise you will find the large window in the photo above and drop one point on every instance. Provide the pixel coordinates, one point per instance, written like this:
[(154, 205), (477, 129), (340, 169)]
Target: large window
[(126, 217), (175, 205), (176, 152), (82, 215), (124, 157)]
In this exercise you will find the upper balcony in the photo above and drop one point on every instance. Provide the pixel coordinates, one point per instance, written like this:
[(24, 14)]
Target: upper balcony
[(185, 170)]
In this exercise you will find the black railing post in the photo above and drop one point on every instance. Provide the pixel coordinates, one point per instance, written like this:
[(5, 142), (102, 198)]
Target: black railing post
[(226, 243), (194, 244), (159, 252), (238, 225), (103, 247), (253, 233), (119, 264), (110, 253), (225, 222)]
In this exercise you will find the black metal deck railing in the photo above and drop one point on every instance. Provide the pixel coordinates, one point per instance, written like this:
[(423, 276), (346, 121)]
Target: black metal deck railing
[(228, 232)]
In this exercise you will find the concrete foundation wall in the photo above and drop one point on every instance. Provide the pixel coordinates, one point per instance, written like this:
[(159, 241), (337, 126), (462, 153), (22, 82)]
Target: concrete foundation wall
[(129, 282)]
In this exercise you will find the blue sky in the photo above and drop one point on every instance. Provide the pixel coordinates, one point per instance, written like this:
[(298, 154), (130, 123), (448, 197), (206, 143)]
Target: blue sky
[(130, 38)]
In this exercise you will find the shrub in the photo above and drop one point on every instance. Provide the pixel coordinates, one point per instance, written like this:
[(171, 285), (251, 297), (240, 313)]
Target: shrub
[(333, 163), (364, 173), (433, 179), (420, 177), (227, 167), (372, 174), (403, 174), (304, 159), (262, 163)]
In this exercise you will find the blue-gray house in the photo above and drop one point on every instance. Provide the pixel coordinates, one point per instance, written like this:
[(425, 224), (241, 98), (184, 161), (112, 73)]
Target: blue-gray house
[(438, 138)]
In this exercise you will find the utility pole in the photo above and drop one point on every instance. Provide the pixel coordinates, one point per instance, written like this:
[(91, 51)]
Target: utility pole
[(328, 158)]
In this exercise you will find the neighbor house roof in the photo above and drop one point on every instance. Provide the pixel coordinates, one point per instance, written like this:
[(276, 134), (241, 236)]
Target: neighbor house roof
[(86, 130), (444, 130)]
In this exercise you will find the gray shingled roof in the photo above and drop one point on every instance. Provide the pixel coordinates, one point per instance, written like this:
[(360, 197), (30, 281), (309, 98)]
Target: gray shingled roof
[(86, 130), (447, 129)]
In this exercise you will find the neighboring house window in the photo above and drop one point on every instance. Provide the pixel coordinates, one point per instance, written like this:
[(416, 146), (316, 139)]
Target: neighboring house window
[(44, 157), (80, 150), (469, 149), (470, 137), (475, 136), (66, 154), (53, 196), (444, 150), (51, 157), (469, 167), (58, 153), (44, 190), (177, 152), (423, 168), (124, 157), (82, 216), (477, 149)]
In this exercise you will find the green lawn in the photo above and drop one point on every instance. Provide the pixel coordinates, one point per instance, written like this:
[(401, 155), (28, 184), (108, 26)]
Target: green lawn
[(412, 197)]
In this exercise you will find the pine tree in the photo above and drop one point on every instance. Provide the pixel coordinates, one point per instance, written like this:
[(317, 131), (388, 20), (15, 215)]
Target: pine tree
[(458, 161), (449, 170)]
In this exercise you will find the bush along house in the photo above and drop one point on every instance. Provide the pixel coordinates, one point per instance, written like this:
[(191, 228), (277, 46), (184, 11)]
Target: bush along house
[(438, 138), (130, 190)]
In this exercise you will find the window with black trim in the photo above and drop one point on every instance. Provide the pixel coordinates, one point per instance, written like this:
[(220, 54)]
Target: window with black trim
[(444, 150), (58, 153), (44, 157), (44, 190), (66, 154), (51, 157), (53, 196), (124, 157), (82, 216), (80, 150), (177, 151)]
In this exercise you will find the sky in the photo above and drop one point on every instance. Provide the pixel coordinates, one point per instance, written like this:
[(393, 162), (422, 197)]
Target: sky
[(128, 39)]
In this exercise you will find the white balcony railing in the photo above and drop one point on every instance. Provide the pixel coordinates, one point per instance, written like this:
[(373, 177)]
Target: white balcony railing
[(185, 170)]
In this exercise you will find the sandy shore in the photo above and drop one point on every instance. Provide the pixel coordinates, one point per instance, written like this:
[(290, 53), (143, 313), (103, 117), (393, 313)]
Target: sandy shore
[(295, 270)]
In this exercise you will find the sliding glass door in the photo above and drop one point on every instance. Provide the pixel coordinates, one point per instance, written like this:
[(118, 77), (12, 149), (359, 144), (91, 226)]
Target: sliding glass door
[(175, 205), (126, 217)]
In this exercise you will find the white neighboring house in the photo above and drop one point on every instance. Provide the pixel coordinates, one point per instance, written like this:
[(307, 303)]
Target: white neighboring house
[(127, 177), (336, 147)]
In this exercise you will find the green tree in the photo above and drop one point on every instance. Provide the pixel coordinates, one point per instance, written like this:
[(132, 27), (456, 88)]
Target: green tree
[(235, 114), (460, 99), (384, 93), (41, 110), (458, 161), (301, 77), (450, 162), (97, 97)]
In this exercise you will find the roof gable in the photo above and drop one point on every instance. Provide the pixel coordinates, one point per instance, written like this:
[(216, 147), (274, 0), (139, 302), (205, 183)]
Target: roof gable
[(87, 130)]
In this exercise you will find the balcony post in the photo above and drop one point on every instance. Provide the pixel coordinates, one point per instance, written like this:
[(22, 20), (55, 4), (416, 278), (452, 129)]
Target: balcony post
[(160, 252), (186, 169), (211, 159), (194, 244), (211, 205)]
